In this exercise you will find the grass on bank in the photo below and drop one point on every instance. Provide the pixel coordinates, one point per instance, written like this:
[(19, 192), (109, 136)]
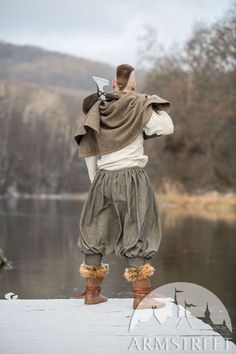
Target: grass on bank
[(210, 205)]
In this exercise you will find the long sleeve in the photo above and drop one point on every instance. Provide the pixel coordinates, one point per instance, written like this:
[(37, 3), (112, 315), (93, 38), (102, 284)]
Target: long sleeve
[(91, 163), (160, 123)]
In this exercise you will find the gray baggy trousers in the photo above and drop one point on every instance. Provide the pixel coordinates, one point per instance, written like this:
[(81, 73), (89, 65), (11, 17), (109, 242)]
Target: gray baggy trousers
[(121, 216)]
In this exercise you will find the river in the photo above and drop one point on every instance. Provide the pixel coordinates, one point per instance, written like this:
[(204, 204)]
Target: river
[(39, 238)]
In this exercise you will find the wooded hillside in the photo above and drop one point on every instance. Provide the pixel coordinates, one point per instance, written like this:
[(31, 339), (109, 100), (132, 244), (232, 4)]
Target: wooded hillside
[(40, 102)]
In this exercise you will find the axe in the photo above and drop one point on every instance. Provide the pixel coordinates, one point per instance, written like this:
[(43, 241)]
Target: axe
[(101, 94)]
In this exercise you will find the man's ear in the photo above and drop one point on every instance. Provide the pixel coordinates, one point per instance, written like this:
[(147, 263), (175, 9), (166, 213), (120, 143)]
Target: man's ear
[(113, 83)]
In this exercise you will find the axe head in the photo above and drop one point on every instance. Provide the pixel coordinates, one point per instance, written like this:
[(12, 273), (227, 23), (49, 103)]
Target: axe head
[(101, 82)]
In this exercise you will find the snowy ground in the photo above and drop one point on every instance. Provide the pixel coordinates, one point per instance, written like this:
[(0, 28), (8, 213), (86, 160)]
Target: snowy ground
[(71, 327)]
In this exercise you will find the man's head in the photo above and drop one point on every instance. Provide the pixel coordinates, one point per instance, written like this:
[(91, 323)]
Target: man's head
[(125, 78)]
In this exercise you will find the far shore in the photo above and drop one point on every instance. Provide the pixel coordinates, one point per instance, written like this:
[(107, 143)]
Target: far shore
[(211, 205)]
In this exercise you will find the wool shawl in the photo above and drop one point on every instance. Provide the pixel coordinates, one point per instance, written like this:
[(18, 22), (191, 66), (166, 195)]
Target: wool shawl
[(111, 125)]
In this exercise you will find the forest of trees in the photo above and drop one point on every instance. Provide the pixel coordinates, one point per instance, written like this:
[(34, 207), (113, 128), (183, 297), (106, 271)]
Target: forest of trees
[(38, 119), (200, 81)]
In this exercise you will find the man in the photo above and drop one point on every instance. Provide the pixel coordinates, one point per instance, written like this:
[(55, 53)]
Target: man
[(120, 214)]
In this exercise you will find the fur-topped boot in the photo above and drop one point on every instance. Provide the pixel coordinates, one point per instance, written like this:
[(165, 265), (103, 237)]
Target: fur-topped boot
[(140, 278), (94, 276)]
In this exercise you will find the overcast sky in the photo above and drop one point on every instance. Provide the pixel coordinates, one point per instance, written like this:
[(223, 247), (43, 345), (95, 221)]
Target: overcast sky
[(103, 30)]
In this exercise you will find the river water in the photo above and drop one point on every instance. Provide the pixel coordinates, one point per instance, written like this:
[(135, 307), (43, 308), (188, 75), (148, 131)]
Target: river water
[(39, 238)]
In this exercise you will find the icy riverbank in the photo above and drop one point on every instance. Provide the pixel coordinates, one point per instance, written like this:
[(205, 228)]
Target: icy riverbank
[(68, 326)]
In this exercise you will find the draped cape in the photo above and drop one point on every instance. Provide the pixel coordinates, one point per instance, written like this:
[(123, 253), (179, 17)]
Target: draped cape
[(110, 125)]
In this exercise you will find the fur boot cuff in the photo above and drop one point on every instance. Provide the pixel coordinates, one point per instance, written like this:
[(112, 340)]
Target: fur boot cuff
[(137, 273), (88, 271)]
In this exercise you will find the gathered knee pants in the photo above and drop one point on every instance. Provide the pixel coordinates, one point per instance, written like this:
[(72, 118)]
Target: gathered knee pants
[(121, 216)]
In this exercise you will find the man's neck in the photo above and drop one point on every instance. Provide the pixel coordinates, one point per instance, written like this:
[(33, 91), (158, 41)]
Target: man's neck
[(127, 91)]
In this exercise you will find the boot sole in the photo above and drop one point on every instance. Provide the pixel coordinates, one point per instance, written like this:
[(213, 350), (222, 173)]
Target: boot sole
[(95, 303)]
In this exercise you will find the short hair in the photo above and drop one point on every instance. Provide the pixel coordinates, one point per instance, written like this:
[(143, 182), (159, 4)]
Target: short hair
[(123, 72)]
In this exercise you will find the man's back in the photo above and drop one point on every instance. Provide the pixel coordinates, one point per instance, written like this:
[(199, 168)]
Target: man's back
[(133, 153)]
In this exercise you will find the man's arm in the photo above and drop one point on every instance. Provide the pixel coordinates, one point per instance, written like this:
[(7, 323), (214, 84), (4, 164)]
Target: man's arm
[(160, 123), (91, 163)]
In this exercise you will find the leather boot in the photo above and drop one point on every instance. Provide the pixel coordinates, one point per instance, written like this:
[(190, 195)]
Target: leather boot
[(94, 276), (144, 298)]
